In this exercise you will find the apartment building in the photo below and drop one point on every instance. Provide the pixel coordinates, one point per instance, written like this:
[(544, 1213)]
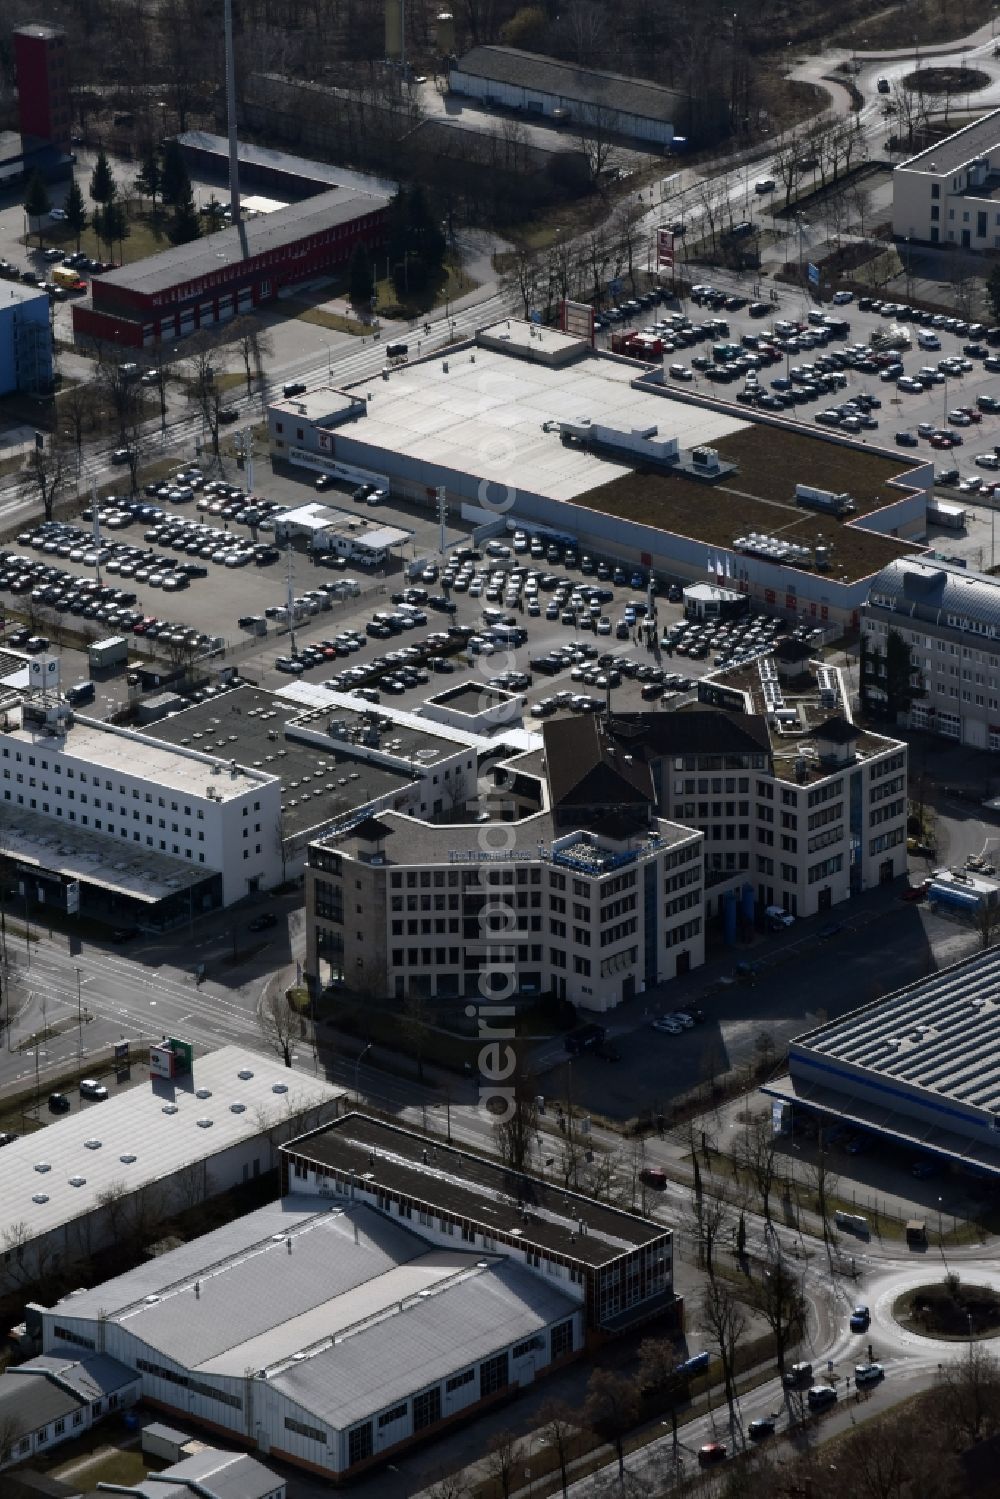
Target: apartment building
[(948, 193), (588, 893), (948, 620)]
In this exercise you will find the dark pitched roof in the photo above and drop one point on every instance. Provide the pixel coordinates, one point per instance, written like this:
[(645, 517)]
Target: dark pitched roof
[(695, 731), (27, 1484), (593, 86), (837, 730), (29, 1401), (587, 766)]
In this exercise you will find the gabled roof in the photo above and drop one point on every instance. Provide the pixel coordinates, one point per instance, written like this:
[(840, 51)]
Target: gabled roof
[(695, 731)]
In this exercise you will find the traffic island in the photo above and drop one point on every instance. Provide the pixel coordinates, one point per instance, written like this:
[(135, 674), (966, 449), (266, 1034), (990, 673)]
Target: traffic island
[(950, 1311)]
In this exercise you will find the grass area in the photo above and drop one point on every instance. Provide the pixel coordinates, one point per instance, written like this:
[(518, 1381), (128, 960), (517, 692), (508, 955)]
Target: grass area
[(451, 284), (335, 321), (147, 235), (110, 1465)]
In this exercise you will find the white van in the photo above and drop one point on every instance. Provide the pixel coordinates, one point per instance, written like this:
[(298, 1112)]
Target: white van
[(926, 339)]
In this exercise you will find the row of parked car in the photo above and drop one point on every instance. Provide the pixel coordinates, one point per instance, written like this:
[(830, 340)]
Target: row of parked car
[(61, 539)]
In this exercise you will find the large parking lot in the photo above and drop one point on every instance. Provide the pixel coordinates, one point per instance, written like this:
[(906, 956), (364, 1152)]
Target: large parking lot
[(819, 365)]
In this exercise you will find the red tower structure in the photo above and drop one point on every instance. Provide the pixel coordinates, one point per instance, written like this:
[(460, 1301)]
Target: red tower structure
[(41, 58)]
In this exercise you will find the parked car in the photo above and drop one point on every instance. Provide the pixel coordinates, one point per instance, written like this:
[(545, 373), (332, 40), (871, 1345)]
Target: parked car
[(821, 1397), (58, 1103), (91, 1088)]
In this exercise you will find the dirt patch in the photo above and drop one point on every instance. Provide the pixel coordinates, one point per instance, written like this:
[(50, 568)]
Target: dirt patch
[(950, 1310)]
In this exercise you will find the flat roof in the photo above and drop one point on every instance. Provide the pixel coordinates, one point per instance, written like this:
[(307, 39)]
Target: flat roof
[(532, 70), (475, 1187), (187, 770), (316, 516), (761, 497), (956, 151), (77, 853), (321, 782), (20, 292), (321, 405), (211, 253), (413, 729), (408, 840), (346, 1310), (486, 416), (939, 1037), (139, 1139)]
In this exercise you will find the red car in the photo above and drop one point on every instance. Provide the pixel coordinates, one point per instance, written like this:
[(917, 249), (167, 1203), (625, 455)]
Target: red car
[(916, 892), (941, 440)]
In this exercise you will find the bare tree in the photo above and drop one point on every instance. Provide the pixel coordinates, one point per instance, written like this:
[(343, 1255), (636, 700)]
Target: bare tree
[(415, 1027), (627, 238), (46, 475), (279, 1023), (725, 1321), (504, 1454), (970, 1395), (821, 1183), (523, 275), (449, 1486), (754, 1153), (707, 1218), (255, 345), (595, 137), (516, 1136), (12, 1429), (559, 1428), (777, 1296), (612, 1410), (203, 386)]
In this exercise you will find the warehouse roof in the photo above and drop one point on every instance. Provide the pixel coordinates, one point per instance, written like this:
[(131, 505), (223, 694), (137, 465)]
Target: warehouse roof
[(210, 1474), (228, 247), (345, 1310), (939, 1037), (145, 1134), (937, 592), (476, 1187), (593, 86)]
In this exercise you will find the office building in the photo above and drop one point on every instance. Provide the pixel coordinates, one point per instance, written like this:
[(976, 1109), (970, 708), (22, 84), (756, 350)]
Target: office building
[(931, 650), (947, 194)]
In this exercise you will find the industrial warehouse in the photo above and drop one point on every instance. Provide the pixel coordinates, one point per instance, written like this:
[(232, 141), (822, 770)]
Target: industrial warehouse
[(528, 425), (398, 1286), (919, 1068), (200, 1126)]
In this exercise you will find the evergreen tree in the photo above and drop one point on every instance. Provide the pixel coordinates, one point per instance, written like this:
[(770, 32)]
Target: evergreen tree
[(150, 179), (175, 184), (103, 187), (361, 278), (36, 202), (993, 288), (214, 216), (116, 227), (76, 210), (184, 225), (416, 243)]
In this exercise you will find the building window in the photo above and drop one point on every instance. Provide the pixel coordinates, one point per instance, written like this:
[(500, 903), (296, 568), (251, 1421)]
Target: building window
[(390, 1417), (427, 1408), (562, 1339), (314, 1433), (458, 1380), (493, 1375), (359, 1444)]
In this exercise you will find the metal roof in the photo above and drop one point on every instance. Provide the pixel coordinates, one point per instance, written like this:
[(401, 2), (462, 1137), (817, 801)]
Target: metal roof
[(341, 1309), (147, 1133), (228, 247), (940, 1035), (931, 591), (211, 1474), (593, 86)]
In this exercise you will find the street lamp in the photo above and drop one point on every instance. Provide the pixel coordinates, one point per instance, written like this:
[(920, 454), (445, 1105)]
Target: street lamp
[(361, 1054)]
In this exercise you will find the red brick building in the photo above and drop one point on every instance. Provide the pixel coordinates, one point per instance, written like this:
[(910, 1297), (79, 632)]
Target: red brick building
[(211, 280), (41, 59)]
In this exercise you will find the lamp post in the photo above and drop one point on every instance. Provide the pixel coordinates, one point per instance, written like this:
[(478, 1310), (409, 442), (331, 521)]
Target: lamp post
[(79, 1018), (361, 1054)]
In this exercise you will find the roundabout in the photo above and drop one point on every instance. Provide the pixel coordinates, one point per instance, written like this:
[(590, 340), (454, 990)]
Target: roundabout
[(950, 1310), (946, 80)]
